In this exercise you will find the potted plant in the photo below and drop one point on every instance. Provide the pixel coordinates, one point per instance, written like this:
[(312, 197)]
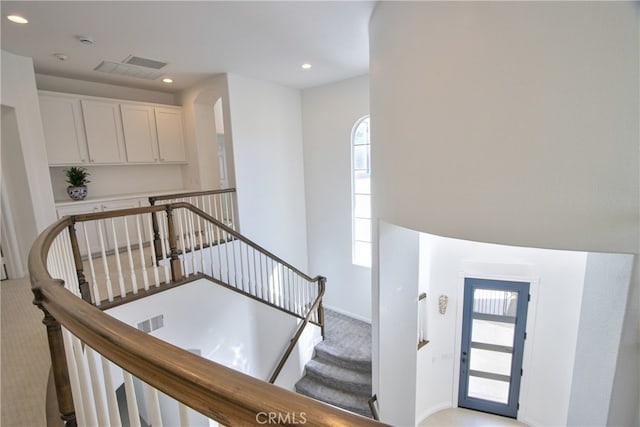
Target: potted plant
[(77, 180)]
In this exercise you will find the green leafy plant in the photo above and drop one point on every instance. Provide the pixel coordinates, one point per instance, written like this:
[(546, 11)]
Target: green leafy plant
[(77, 176)]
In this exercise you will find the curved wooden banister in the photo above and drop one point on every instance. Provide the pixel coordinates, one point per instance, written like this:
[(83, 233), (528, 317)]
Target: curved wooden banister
[(223, 394)]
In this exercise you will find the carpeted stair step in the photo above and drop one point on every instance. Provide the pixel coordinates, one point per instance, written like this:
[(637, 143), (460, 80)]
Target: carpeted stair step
[(340, 378), (351, 402), (334, 355)]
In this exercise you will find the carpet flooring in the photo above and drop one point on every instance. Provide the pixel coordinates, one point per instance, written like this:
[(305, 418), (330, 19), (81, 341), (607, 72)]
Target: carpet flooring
[(340, 371), (24, 357)]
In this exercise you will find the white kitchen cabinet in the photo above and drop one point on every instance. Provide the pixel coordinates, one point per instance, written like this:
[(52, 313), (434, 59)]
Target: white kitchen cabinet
[(141, 142), (170, 134), (63, 130), (103, 126), (87, 130)]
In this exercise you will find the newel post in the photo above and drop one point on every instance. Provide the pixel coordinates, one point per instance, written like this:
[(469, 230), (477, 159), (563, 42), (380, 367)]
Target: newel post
[(176, 269), (58, 365), (322, 282), (82, 282), (157, 244)]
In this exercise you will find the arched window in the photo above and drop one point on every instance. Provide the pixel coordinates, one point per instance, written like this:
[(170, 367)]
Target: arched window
[(361, 193)]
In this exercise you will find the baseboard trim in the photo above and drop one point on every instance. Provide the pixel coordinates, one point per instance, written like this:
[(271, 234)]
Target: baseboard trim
[(432, 410), (346, 313)]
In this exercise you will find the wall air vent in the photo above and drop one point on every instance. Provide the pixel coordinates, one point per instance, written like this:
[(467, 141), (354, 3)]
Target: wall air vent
[(152, 324), (144, 62), (128, 70)]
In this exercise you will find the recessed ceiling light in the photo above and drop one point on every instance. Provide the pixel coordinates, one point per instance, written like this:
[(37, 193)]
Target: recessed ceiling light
[(17, 19), (306, 66), (167, 80)]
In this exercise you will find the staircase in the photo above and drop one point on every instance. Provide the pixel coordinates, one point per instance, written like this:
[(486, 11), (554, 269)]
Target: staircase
[(340, 371)]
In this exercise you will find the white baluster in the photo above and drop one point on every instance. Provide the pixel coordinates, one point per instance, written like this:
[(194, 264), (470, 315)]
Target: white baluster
[(134, 281), (132, 402), (145, 275), (112, 399), (281, 284), (184, 414), (299, 287), (274, 283), (231, 209), (123, 291), (84, 380), (164, 244), (153, 405), (100, 402), (242, 275), (210, 239), (73, 376), (104, 263), (201, 233), (218, 244), (68, 263), (254, 292), (181, 240), (192, 238), (96, 293)]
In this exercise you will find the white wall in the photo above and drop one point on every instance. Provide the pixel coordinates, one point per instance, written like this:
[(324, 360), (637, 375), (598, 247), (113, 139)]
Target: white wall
[(328, 115), (19, 208), (267, 152), (109, 181), (399, 271), (225, 326), (526, 113), (201, 125), (513, 123), (19, 92), (606, 278)]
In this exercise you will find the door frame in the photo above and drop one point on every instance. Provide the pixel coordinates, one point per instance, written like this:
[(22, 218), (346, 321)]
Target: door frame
[(479, 271)]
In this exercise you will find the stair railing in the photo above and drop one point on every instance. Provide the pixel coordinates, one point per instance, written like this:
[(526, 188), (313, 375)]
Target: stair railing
[(315, 308), (220, 204), (91, 351)]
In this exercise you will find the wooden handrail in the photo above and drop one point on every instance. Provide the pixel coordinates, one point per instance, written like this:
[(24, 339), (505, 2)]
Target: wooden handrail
[(372, 406), (154, 199), (220, 393), (292, 343)]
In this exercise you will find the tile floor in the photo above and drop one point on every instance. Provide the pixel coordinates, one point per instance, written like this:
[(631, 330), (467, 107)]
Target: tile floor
[(465, 417)]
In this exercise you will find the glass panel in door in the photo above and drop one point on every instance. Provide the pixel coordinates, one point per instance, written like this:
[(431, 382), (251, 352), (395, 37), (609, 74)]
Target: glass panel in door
[(492, 343)]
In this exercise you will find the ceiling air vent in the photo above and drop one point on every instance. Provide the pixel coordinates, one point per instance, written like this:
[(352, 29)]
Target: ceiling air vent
[(128, 70), (144, 62)]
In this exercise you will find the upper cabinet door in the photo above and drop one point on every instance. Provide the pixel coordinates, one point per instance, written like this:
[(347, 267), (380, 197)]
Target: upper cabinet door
[(63, 130), (104, 131), (170, 135), (139, 133)]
